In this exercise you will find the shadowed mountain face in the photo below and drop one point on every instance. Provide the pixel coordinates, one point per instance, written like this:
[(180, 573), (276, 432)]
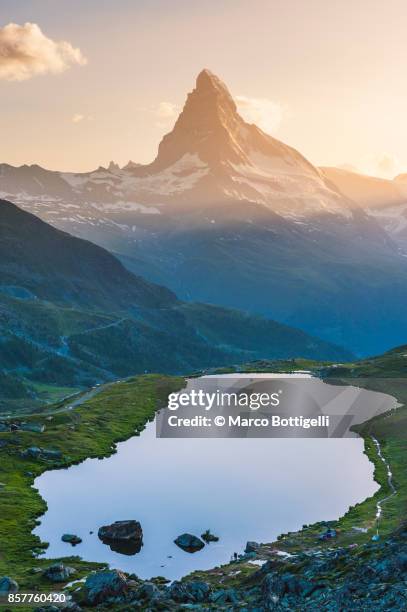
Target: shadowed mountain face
[(72, 315), (228, 215)]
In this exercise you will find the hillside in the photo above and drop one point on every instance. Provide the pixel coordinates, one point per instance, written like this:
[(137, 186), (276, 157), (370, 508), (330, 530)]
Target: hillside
[(71, 315), (228, 215)]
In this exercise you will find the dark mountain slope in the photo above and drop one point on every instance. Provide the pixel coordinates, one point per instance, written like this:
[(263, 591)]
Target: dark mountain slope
[(229, 215), (55, 266), (72, 315)]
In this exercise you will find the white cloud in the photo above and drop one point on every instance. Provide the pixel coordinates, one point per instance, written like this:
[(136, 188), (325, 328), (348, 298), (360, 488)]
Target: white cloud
[(387, 165), (77, 118), (265, 113), (26, 52), (383, 165), (166, 110)]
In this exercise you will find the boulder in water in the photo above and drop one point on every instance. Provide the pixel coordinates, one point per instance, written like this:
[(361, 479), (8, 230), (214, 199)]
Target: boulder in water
[(125, 537), (189, 543), (71, 538)]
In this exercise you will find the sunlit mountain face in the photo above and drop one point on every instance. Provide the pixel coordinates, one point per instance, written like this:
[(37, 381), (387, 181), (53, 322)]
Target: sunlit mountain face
[(228, 215)]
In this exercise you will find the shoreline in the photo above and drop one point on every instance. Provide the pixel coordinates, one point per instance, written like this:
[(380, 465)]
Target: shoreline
[(288, 543)]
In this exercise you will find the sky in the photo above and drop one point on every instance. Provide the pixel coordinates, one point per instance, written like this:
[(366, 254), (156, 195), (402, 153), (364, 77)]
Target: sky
[(91, 81)]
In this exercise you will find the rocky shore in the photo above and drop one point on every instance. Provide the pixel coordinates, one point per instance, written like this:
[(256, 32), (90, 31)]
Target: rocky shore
[(336, 579)]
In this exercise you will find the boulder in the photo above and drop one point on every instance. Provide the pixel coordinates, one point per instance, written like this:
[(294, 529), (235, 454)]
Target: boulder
[(71, 538), (8, 585), (328, 534), (125, 537), (224, 597), (53, 455), (149, 592), (33, 427), (189, 543), (33, 452), (58, 572), (275, 586), (103, 585), (252, 547), (190, 591)]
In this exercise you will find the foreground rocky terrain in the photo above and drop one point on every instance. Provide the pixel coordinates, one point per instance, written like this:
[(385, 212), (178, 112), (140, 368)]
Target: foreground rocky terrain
[(335, 566)]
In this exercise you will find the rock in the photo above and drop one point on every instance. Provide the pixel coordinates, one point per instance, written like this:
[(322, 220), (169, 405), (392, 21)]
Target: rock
[(276, 586), (328, 534), (34, 427), (401, 561), (125, 537), (53, 455), (207, 537), (225, 596), (103, 585), (252, 547), (33, 452), (71, 538), (190, 591), (8, 585), (247, 556), (149, 591), (189, 543), (58, 572)]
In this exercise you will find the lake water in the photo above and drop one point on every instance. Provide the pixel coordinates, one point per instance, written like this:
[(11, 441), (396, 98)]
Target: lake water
[(240, 489)]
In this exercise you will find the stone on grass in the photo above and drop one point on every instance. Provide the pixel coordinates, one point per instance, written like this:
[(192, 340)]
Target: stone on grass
[(8, 585), (58, 572)]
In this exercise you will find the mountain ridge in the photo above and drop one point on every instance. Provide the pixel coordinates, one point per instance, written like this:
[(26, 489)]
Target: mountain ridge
[(71, 316), (230, 216)]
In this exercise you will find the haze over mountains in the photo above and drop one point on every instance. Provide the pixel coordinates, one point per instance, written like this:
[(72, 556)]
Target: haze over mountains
[(385, 200), (228, 215), (72, 315)]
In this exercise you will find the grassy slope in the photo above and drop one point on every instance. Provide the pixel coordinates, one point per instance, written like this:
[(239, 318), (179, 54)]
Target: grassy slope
[(89, 431), (115, 413), (386, 374)]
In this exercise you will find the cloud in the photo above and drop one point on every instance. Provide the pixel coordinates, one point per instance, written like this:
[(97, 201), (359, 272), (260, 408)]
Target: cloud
[(166, 110), (382, 165), (26, 52), (387, 166), (77, 118), (265, 113)]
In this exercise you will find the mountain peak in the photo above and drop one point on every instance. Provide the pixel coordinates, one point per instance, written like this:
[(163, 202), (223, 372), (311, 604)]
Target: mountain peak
[(213, 89), (215, 154), (207, 128)]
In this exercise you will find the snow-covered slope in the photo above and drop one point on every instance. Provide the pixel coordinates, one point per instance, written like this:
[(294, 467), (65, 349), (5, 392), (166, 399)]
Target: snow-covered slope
[(228, 215), (211, 155)]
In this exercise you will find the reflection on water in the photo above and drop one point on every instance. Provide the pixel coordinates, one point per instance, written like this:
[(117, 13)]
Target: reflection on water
[(240, 489)]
